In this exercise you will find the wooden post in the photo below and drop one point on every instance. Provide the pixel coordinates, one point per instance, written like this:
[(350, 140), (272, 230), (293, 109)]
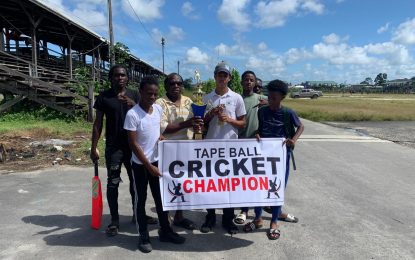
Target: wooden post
[(34, 51), (69, 54), (91, 102), (17, 46), (111, 53), (98, 64), (35, 24), (45, 49), (93, 65), (2, 39), (7, 41)]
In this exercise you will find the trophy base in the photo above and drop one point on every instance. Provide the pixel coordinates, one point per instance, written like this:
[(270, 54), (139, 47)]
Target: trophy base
[(198, 136)]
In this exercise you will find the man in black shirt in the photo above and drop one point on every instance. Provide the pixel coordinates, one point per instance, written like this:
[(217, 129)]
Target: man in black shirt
[(114, 104)]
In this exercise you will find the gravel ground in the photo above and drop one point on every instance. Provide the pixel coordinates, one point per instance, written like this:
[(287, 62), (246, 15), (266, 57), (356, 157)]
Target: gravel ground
[(401, 132)]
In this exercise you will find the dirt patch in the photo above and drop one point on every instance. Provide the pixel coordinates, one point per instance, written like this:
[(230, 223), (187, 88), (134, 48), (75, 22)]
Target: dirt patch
[(27, 151), (400, 132)]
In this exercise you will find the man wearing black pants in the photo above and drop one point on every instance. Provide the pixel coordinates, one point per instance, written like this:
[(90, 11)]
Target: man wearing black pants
[(114, 104), (143, 127)]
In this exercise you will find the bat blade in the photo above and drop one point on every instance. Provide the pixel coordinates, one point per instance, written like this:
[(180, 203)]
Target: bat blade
[(96, 217)]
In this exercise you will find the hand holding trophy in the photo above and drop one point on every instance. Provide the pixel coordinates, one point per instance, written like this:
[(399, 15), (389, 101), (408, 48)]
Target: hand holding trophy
[(198, 109)]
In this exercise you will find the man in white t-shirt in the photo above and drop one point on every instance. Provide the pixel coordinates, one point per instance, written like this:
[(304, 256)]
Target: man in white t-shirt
[(142, 123), (225, 116)]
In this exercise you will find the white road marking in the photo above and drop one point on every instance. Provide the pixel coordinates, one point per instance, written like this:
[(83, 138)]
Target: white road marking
[(341, 138)]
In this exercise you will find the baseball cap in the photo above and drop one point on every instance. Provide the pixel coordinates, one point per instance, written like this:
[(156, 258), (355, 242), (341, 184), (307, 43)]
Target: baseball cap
[(222, 67)]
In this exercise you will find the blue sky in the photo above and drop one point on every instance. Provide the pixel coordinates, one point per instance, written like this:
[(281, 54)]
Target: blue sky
[(293, 40)]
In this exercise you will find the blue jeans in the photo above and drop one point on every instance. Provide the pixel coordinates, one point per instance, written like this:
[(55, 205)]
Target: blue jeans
[(276, 210)]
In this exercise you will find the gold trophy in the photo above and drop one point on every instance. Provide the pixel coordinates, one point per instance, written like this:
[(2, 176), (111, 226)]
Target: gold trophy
[(198, 107)]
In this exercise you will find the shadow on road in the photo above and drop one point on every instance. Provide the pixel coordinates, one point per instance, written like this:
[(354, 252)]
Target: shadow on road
[(63, 230)]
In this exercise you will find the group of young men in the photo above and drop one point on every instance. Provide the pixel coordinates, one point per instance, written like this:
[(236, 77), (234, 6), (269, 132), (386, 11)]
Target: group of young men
[(134, 125)]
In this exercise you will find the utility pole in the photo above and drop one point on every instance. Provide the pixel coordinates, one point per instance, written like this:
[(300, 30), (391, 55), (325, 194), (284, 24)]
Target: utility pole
[(178, 67), (162, 51), (111, 52)]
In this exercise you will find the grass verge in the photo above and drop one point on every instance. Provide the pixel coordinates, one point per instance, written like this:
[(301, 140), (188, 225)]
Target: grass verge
[(355, 108)]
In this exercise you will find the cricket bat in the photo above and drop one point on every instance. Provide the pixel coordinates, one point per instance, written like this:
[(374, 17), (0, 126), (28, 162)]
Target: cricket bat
[(96, 219)]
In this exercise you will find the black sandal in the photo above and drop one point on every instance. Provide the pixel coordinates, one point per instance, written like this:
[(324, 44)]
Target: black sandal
[(273, 234)]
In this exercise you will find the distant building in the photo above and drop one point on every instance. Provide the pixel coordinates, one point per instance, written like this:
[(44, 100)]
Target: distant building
[(399, 83), (317, 84)]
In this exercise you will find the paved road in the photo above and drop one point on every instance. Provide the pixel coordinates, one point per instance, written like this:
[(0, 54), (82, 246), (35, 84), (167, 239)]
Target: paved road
[(354, 196), (401, 132)]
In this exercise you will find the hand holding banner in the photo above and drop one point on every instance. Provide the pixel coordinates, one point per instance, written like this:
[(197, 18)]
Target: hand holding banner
[(222, 173)]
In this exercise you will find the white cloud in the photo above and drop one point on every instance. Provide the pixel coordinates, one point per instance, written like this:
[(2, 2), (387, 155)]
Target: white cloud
[(383, 29), (146, 10), (232, 12), (195, 56), (275, 13), (313, 6), (405, 33), (225, 50), (262, 46), (393, 53), (332, 38), (341, 54), (273, 66), (175, 34), (94, 2), (156, 34), (89, 13), (188, 11), (294, 55)]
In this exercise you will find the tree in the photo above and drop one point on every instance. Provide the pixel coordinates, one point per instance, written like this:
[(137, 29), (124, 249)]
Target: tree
[(122, 53), (381, 79), (235, 82), (162, 89), (208, 85), (367, 81), (187, 83)]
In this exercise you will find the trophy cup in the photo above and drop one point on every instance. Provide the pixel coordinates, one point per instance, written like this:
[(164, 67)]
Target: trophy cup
[(198, 107)]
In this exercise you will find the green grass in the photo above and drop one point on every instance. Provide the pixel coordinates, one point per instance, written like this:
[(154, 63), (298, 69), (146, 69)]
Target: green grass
[(372, 107), (24, 124), (56, 127)]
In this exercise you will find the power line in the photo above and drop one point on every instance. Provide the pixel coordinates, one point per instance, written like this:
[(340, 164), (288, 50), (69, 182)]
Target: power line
[(145, 29)]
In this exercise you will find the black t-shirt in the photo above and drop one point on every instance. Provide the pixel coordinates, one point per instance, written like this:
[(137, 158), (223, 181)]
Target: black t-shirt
[(271, 123), (115, 111)]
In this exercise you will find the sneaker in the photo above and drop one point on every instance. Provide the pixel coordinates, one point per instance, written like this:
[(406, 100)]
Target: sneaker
[(230, 227), (170, 236), (144, 244), (112, 229), (210, 222)]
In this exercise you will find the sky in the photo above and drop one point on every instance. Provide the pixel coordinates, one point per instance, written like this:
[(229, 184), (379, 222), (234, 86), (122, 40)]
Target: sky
[(294, 40)]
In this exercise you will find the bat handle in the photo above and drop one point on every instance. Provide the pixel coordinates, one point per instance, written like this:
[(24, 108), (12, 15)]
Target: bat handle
[(96, 167)]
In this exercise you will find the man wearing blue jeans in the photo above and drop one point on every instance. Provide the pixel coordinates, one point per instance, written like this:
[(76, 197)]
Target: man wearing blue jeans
[(276, 121)]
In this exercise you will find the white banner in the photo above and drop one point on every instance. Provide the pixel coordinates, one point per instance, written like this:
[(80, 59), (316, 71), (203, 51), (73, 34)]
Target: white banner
[(222, 173)]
